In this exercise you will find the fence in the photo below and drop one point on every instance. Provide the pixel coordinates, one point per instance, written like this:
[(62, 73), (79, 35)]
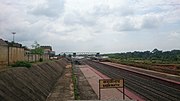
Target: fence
[(3, 55), (36, 57), (9, 55)]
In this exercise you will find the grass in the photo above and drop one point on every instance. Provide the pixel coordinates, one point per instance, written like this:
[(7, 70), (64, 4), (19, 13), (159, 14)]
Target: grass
[(151, 65), (22, 64), (74, 78)]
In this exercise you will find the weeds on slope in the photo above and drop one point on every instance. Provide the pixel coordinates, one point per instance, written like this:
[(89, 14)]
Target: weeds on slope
[(75, 83)]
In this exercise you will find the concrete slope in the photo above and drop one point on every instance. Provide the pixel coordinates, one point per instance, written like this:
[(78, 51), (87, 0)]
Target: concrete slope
[(33, 84)]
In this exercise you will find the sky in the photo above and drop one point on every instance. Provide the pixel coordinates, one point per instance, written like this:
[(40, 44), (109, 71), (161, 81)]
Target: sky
[(105, 26)]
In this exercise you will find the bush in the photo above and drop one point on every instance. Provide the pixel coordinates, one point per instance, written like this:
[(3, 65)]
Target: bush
[(22, 64), (41, 60)]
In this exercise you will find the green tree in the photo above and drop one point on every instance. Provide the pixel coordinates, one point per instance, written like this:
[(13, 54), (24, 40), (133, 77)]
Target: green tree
[(64, 54), (37, 49)]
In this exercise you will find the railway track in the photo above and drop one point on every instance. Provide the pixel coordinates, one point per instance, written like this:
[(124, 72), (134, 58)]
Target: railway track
[(149, 88)]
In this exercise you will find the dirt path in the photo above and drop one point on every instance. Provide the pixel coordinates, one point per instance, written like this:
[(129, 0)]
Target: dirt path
[(63, 89)]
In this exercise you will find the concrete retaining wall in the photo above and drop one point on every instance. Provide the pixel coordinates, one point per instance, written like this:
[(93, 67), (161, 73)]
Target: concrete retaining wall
[(33, 84), (15, 54), (36, 57), (3, 55)]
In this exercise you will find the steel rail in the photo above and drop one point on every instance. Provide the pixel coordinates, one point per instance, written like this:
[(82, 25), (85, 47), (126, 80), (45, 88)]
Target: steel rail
[(149, 89)]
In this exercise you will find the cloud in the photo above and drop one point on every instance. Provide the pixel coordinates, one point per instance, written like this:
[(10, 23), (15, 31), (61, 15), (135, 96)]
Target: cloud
[(174, 35), (134, 23), (91, 25), (76, 18), (101, 10), (120, 8), (53, 8)]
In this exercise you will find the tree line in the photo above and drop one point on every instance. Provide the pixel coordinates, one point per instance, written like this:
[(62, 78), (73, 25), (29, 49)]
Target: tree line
[(172, 56)]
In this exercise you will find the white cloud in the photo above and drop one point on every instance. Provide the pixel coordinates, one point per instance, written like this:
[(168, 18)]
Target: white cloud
[(76, 18), (139, 22), (91, 25), (49, 8), (174, 35)]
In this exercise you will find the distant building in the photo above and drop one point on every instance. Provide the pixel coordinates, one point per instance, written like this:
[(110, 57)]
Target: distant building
[(52, 53), (3, 43), (48, 50)]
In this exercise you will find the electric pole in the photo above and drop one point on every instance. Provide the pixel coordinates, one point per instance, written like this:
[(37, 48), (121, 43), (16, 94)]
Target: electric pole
[(13, 36)]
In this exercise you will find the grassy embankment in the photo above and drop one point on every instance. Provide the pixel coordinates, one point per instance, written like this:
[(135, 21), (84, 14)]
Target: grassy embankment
[(156, 65)]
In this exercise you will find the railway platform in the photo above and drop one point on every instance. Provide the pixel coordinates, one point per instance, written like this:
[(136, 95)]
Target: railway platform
[(93, 77)]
